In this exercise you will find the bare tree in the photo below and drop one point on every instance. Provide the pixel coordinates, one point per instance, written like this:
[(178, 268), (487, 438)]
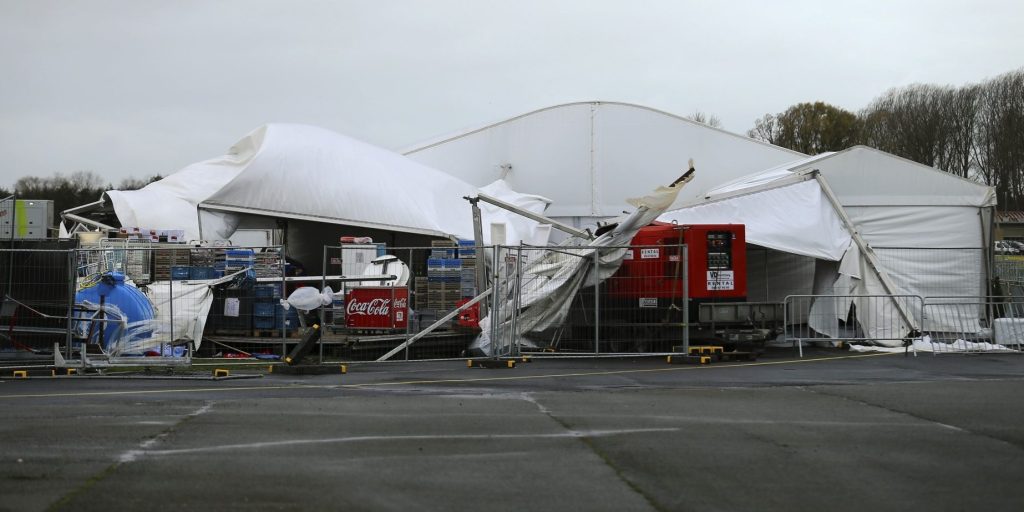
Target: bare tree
[(960, 112), (974, 131), (65, 192), (133, 183), (701, 117), (910, 122), (765, 129), (999, 137)]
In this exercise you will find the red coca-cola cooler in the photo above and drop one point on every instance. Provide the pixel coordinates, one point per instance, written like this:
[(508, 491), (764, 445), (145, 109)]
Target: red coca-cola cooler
[(377, 307)]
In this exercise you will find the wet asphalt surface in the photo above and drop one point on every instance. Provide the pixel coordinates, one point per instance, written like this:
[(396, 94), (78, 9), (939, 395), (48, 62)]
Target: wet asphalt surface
[(832, 431)]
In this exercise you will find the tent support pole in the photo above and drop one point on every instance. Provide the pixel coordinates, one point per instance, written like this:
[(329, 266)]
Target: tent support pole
[(478, 248), (586, 235), (87, 222), (867, 251)]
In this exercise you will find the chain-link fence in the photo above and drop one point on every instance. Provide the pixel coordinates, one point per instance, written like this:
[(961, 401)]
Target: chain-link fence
[(452, 299), (126, 302), (853, 318), (560, 300)]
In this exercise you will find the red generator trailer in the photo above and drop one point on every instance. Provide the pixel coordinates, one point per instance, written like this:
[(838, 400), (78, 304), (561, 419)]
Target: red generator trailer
[(641, 307)]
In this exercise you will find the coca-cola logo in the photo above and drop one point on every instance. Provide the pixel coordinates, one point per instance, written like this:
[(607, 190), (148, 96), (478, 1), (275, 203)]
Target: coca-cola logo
[(373, 307)]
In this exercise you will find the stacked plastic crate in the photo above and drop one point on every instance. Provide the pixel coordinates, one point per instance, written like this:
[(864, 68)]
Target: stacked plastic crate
[(203, 257), (236, 260), (443, 275), (268, 263), (266, 309), (467, 276)]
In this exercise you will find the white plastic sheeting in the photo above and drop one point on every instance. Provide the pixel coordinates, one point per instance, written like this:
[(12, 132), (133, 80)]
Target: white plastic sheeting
[(925, 344), (182, 317)]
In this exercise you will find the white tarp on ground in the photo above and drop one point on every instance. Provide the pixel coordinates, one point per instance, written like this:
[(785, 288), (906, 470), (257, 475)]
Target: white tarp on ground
[(926, 344), (928, 229), (305, 172)]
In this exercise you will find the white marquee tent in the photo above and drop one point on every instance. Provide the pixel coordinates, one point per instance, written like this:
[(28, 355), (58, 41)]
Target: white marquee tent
[(921, 231), (888, 225)]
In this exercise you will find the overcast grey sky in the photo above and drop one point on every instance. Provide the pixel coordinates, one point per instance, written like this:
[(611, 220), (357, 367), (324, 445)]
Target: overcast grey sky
[(140, 87)]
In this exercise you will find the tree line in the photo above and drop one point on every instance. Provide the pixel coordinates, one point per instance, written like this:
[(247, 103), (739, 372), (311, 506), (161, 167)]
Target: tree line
[(75, 189), (975, 131)]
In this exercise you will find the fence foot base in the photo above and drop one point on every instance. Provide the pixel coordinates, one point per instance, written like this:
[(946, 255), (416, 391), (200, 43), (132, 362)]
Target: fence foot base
[(687, 359), (708, 350), (491, 363)]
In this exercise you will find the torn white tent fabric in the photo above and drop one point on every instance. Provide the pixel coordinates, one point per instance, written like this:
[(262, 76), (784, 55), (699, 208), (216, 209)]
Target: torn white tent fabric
[(557, 276)]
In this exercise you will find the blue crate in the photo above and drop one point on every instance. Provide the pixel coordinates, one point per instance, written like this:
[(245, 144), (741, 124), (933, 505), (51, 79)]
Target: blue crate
[(202, 273), (181, 273), (268, 291), (290, 320), (439, 263), (239, 254), (264, 309), (467, 249), (264, 322)]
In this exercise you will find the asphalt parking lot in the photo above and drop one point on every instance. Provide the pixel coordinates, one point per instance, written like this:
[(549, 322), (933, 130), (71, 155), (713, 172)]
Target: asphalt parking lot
[(831, 431)]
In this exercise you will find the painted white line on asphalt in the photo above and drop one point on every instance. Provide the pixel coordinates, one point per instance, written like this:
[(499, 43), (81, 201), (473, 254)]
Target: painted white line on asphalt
[(134, 455), (540, 407), (131, 455)]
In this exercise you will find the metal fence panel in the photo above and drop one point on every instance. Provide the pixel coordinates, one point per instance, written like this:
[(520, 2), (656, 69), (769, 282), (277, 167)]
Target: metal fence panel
[(831, 318), (175, 296), (38, 288), (979, 324)]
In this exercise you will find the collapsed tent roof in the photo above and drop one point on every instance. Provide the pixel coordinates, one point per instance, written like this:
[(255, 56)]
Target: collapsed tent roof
[(589, 157), (304, 172)]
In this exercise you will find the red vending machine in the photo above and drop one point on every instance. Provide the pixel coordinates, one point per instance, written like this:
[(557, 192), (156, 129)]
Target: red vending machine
[(377, 307)]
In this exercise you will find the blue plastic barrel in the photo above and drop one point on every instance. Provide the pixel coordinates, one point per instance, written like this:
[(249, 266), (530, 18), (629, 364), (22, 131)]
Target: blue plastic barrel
[(120, 302)]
